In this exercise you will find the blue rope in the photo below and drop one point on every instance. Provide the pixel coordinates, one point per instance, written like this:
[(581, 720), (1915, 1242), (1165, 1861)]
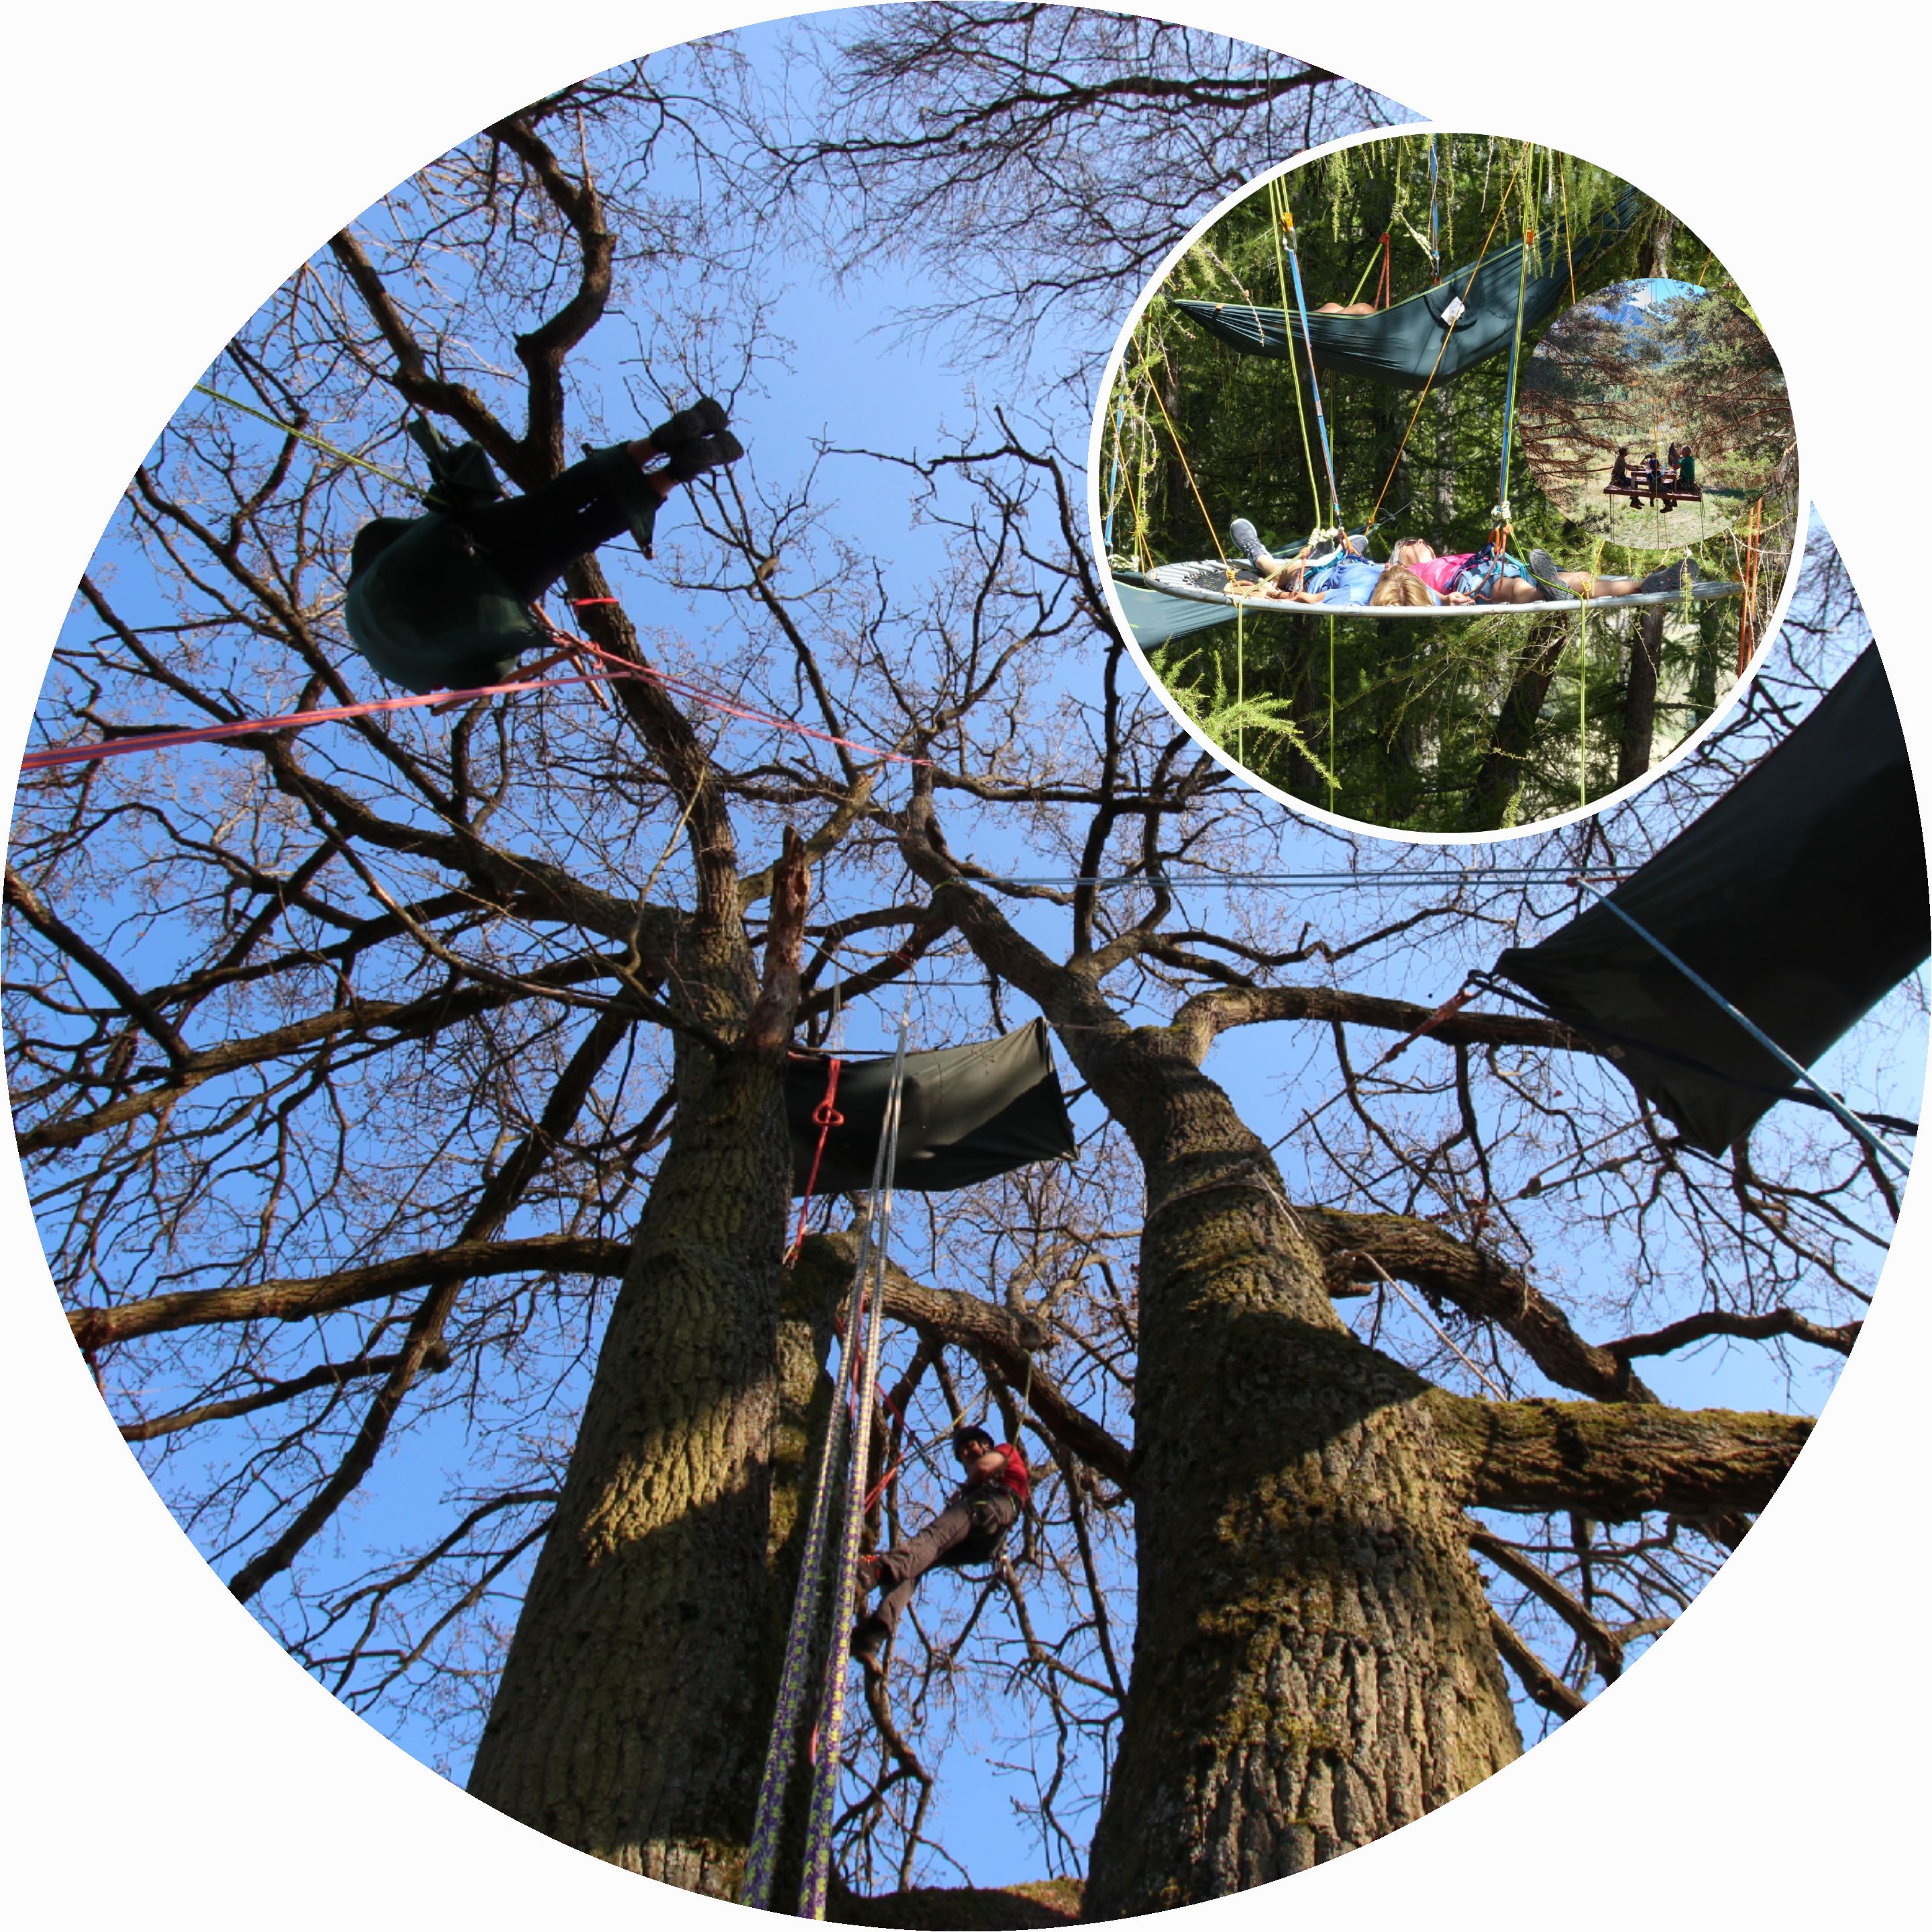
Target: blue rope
[(1509, 398), (1435, 233), (1314, 383)]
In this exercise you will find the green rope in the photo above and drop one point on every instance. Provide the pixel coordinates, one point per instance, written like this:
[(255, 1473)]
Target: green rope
[(1240, 692), (302, 435), (1516, 354)]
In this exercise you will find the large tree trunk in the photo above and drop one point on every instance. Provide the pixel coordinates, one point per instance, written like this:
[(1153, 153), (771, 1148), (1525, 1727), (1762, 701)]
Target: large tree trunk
[(1634, 752), (1499, 777), (631, 1718), (1314, 1665)]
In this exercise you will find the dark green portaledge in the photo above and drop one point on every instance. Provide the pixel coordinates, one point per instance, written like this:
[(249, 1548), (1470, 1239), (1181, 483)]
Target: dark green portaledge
[(967, 1113), (1407, 343)]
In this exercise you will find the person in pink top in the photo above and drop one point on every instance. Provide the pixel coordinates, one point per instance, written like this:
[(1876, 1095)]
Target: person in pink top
[(1479, 576)]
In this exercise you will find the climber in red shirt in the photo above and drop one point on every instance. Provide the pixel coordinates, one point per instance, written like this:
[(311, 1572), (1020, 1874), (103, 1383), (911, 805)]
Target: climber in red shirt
[(970, 1529)]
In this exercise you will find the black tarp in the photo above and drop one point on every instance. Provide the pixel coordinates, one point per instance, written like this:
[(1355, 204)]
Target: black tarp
[(1405, 343), (967, 1113), (1800, 896)]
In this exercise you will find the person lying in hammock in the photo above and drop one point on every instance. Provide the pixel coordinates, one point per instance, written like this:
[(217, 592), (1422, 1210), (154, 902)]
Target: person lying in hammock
[(442, 601), (970, 1529), (1415, 576), (1348, 308), (1488, 576), (1343, 576)]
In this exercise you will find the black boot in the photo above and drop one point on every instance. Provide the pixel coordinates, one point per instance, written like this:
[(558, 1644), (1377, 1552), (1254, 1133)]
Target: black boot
[(705, 417), (707, 452)]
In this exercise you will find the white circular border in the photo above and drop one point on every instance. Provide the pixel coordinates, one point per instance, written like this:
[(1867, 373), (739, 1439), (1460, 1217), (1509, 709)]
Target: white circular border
[(1763, 1762)]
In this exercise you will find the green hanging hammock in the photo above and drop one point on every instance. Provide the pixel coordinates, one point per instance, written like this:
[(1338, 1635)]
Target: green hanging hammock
[(1401, 344)]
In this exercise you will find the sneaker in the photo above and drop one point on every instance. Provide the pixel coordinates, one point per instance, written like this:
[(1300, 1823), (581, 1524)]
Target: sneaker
[(1670, 577), (1243, 535), (705, 417), (707, 452), (868, 1570), (1546, 577)]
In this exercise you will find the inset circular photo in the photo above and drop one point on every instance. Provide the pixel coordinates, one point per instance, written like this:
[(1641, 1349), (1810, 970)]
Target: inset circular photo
[(1332, 521), (1654, 414)]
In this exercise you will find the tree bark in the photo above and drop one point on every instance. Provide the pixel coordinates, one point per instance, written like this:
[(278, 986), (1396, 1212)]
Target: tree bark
[(632, 1716), (1313, 1665)]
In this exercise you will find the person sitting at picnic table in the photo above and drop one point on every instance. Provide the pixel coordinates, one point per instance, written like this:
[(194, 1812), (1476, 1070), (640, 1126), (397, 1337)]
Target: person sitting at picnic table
[(970, 1529)]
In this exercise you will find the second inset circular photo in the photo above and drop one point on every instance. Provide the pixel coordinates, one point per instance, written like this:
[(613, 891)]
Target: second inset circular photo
[(1446, 484)]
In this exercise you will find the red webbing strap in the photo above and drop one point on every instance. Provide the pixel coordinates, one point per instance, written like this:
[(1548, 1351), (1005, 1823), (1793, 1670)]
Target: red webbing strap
[(607, 667), (1382, 288), (824, 1117), (1448, 1009), (241, 727)]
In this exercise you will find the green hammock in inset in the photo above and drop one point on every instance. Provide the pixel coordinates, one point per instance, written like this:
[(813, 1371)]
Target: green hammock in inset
[(1401, 344)]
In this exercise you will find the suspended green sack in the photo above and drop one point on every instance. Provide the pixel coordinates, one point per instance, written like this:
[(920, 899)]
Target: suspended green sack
[(966, 1113), (1800, 896), (430, 610), (1401, 344)]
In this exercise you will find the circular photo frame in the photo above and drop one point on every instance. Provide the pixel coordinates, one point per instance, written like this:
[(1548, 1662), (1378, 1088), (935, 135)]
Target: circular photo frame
[(1319, 493)]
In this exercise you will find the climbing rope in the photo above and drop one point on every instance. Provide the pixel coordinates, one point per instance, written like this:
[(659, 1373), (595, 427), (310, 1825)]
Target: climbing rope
[(1442, 348), (1747, 624), (1276, 203), (1502, 511), (604, 667), (1435, 229), (824, 1117), (823, 1816), (302, 435), (1287, 225), (858, 1370), (1213, 536)]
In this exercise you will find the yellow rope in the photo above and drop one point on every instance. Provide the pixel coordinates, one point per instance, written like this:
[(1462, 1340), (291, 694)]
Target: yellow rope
[(302, 435), (1563, 187), (1444, 349), (1213, 536), (1277, 207)]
